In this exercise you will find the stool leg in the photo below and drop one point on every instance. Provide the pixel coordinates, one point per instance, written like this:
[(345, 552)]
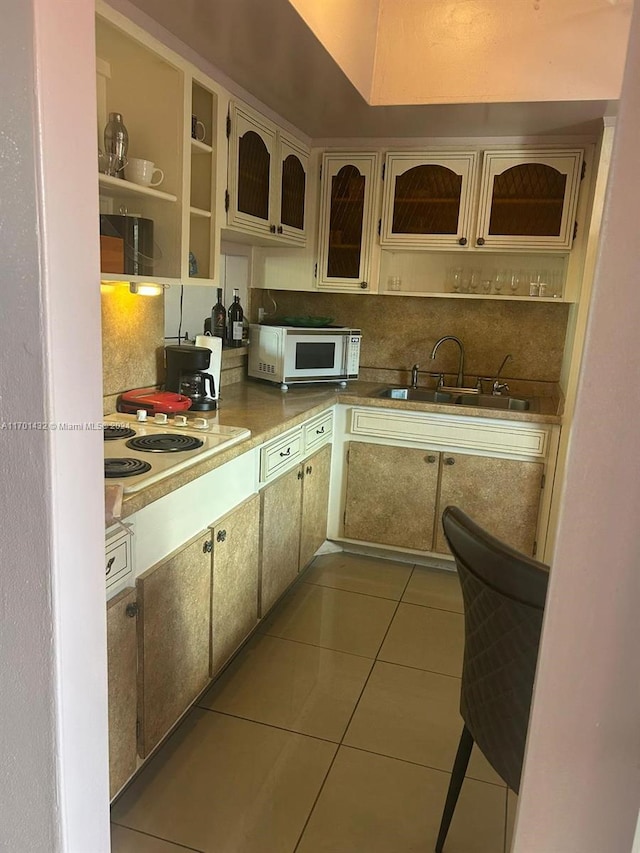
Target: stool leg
[(457, 777)]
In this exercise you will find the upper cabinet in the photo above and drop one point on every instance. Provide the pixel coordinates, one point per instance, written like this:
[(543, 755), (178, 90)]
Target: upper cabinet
[(528, 199), (157, 220), (348, 201), (428, 199), (268, 179)]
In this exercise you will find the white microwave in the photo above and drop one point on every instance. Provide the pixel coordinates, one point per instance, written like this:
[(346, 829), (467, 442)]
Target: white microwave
[(292, 355)]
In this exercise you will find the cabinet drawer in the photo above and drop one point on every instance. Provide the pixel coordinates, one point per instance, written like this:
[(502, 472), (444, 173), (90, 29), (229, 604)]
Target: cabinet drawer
[(478, 434), (318, 432), (118, 562), (280, 454)]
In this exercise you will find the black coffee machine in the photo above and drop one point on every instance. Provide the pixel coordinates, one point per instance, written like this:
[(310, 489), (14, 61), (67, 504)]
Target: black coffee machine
[(187, 373)]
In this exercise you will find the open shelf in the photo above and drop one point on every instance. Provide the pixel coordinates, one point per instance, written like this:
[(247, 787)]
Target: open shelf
[(118, 187)]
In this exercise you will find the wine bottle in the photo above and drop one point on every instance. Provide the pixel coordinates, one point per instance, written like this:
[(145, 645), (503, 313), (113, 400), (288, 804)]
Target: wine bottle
[(218, 317), (236, 315)]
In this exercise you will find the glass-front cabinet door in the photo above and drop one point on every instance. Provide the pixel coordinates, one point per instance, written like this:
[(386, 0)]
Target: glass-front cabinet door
[(252, 158), (428, 199), (294, 171), (528, 198), (347, 220)]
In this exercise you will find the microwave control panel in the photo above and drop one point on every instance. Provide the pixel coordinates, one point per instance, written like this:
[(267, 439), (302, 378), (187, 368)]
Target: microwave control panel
[(353, 356)]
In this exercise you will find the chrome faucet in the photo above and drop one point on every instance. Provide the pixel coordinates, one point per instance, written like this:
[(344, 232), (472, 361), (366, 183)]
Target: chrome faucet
[(460, 379), (498, 387)]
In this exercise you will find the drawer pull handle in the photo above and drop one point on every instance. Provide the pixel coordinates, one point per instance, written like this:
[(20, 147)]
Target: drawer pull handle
[(207, 547), (221, 535), (132, 610), (320, 431), (449, 460), (286, 452), (431, 458), (309, 469), (110, 564), (300, 474)]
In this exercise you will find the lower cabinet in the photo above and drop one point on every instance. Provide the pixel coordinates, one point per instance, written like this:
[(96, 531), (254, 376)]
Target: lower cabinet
[(122, 652), (234, 602), (293, 524), (396, 495), (174, 638)]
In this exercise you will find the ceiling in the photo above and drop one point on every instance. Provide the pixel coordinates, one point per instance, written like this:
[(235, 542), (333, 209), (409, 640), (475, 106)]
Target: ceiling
[(265, 47)]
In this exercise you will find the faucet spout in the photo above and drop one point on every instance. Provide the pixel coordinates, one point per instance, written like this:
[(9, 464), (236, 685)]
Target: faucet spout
[(460, 378)]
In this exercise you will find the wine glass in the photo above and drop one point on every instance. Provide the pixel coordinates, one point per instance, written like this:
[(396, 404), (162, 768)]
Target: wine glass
[(500, 281), (515, 281)]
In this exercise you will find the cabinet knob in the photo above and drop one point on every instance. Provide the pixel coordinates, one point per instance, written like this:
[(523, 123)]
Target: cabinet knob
[(207, 548), (280, 229), (110, 565), (286, 452), (449, 460), (463, 241), (272, 229), (132, 610), (431, 458), (480, 241), (309, 469), (364, 285), (300, 474), (221, 535)]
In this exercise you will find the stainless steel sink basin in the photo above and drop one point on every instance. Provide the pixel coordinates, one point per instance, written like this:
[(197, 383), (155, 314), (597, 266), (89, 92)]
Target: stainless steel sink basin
[(422, 395), (487, 401)]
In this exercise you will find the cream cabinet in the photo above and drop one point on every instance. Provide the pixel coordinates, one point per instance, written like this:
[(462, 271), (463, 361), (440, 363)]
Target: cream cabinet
[(349, 195), (428, 198), (166, 232), (403, 468), (234, 602), (174, 638), (315, 504), (528, 199), (268, 174), (122, 650)]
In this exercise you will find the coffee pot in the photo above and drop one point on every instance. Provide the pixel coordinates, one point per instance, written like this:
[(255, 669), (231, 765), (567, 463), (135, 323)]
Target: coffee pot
[(188, 374)]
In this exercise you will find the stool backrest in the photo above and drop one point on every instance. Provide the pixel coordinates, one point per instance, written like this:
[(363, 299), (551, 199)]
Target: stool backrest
[(504, 594)]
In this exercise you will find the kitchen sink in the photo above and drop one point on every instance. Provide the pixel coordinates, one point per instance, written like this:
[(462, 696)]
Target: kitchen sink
[(421, 395), (489, 401), (486, 401)]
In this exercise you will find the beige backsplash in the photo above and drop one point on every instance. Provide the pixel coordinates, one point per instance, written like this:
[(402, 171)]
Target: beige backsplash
[(398, 331), (133, 345)]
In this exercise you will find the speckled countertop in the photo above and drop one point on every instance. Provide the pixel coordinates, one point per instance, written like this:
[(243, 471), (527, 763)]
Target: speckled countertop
[(267, 411)]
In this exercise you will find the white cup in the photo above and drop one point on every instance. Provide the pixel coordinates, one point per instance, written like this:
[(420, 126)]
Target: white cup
[(142, 172)]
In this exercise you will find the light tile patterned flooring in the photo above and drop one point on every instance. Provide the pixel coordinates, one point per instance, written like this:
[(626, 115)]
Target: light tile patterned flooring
[(333, 731)]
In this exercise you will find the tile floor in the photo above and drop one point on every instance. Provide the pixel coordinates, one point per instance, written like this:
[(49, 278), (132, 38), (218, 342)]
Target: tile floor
[(333, 731)]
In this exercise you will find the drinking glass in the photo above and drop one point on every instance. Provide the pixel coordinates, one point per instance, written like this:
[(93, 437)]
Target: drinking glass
[(500, 281)]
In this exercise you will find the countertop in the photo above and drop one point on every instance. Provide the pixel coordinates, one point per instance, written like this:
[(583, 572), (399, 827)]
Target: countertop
[(267, 411)]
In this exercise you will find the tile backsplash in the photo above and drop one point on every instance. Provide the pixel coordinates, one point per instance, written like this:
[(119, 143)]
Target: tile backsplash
[(399, 331)]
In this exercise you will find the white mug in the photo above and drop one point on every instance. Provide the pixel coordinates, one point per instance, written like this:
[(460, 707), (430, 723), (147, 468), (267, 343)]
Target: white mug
[(142, 172)]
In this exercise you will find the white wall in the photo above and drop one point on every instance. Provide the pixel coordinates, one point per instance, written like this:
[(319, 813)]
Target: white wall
[(53, 745), (581, 784)]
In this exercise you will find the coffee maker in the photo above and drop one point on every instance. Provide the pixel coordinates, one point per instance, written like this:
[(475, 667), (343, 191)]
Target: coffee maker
[(194, 371)]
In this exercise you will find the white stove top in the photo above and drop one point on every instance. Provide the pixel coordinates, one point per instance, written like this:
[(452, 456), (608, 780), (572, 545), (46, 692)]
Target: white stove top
[(214, 438)]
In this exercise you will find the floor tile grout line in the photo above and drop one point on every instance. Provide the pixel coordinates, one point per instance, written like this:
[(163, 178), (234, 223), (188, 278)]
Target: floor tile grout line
[(500, 786), (316, 646), (355, 592), (176, 844), (268, 725), (418, 668), (316, 798)]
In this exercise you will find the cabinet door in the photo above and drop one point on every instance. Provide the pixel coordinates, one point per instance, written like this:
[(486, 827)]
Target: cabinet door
[(175, 603), (347, 220), (528, 199), (122, 655), (252, 159), (293, 174), (315, 503), (235, 580), (501, 495), (427, 199), (391, 495), (280, 536)]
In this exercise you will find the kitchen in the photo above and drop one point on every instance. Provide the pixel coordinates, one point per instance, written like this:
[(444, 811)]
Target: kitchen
[(81, 332)]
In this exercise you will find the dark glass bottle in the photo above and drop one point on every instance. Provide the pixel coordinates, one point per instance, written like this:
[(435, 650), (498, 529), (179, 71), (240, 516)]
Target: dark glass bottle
[(236, 315), (218, 317)]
